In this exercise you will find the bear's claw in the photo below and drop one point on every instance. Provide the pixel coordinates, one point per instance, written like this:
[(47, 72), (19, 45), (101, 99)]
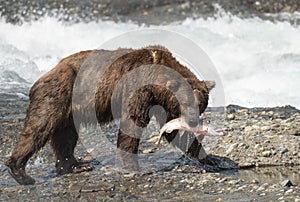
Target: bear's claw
[(82, 167)]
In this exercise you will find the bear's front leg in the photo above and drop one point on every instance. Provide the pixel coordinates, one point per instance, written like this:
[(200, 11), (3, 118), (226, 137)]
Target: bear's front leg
[(128, 151), (63, 142), (197, 151), (132, 123)]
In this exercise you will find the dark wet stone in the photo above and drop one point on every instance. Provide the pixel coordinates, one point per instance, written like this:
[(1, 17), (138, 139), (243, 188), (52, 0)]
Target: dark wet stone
[(287, 183), (282, 151)]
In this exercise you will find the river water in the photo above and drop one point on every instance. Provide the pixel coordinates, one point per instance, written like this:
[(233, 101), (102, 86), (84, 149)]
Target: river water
[(257, 60)]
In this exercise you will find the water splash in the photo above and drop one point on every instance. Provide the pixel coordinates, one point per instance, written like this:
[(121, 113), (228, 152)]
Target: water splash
[(258, 60)]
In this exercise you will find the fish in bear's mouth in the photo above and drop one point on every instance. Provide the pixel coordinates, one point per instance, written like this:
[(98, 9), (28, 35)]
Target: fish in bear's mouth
[(180, 125)]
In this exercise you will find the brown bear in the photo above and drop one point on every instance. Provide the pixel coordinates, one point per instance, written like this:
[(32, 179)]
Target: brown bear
[(51, 111)]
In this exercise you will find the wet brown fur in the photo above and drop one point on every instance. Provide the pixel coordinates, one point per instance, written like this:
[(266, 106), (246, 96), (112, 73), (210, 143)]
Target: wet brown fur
[(50, 116)]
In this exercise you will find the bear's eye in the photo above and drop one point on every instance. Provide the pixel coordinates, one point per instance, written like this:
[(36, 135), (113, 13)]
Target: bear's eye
[(173, 85)]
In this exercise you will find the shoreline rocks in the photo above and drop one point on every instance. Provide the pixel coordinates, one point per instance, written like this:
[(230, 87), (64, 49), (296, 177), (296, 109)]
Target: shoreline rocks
[(268, 155), (258, 136)]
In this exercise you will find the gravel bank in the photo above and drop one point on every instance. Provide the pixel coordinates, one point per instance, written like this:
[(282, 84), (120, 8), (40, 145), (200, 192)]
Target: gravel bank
[(265, 142), (259, 136)]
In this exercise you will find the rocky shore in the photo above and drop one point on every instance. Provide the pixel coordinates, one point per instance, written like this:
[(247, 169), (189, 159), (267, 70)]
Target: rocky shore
[(145, 11), (264, 142), (259, 136)]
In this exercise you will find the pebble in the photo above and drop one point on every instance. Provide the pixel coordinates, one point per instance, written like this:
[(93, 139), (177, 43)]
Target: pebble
[(243, 111), (248, 128), (262, 187), (270, 113), (265, 128), (255, 127), (289, 191), (149, 151), (233, 182), (266, 153), (282, 151), (130, 175), (293, 132), (154, 139), (230, 116), (231, 148), (287, 183), (256, 146)]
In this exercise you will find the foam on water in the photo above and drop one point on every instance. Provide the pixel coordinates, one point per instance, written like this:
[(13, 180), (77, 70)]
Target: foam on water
[(259, 61)]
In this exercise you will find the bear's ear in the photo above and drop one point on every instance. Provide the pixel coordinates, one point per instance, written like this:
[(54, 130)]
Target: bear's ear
[(210, 85)]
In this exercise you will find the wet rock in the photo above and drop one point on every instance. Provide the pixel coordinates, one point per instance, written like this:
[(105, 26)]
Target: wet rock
[(231, 148), (266, 153), (234, 182), (149, 151), (287, 9), (265, 128), (255, 127), (289, 191), (248, 128), (293, 132), (287, 183), (230, 117), (154, 139), (284, 150), (230, 110), (130, 175), (270, 113), (243, 111)]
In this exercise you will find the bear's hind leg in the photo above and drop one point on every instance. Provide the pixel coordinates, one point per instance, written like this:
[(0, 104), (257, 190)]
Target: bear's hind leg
[(63, 143), (30, 141)]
